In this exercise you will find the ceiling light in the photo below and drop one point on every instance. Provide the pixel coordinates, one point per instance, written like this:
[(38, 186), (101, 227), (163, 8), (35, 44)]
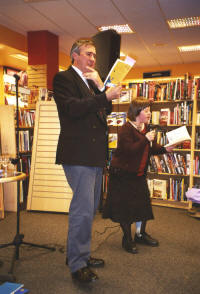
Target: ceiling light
[(121, 29), (20, 56), (189, 48), (184, 22)]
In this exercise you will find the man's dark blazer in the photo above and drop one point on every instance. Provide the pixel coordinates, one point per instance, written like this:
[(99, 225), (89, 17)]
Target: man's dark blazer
[(83, 127)]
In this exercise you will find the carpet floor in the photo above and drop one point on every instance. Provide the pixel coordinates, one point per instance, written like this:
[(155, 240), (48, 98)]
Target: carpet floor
[(171, 268)]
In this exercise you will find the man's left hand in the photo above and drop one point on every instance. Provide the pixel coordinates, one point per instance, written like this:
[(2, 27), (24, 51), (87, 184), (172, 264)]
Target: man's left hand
[(93, 75)]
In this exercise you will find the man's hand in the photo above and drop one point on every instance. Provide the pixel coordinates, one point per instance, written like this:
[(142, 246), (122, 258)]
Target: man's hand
[(93, 75), (113, 93)]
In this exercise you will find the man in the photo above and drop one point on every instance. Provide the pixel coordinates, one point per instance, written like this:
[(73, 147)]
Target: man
[(82, 107)]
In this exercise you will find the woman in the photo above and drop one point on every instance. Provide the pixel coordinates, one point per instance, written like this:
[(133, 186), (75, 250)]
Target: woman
[(128, 197)]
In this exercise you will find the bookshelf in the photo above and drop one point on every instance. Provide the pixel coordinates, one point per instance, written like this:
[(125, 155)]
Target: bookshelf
[(8, 145), (178, 96), (1, 202), (195, 146)]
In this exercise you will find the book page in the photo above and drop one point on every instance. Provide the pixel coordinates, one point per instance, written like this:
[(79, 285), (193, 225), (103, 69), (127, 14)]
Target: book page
[(119, 70), (177, 136)]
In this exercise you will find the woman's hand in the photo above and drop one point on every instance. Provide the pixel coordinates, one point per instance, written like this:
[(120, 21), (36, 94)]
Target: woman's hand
[(170, 148), (151, 135)]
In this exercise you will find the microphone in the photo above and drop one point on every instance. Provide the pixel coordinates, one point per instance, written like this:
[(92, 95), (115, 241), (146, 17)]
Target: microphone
[(150, 128), (16, 77)]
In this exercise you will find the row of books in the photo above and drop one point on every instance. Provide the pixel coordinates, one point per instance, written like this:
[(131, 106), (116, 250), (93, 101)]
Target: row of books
[(26, 117), (180, 114), (171, 163), (198, 88), (168, 189), (165, 189), (196, 165), (178, 89), (25, 141), (197, 139)]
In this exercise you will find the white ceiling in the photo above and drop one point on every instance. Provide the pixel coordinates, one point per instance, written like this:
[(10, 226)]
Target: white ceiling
[(72, 19)]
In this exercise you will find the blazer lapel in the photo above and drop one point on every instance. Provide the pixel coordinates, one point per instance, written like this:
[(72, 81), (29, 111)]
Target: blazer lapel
[(91, 91)]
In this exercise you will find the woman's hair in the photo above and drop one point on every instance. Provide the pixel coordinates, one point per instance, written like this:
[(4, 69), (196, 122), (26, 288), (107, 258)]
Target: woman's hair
[(77, 44), (136, 106)]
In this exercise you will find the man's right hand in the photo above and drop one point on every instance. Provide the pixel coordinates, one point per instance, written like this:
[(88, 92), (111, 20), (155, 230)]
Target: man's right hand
[(113, 93)]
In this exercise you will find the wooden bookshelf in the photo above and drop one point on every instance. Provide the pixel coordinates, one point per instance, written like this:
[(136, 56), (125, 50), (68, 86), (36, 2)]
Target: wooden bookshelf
[(189, 99), (1, 202), (195, 172), (8, 146)]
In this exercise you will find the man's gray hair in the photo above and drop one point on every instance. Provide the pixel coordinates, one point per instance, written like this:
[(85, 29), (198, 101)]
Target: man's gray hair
[(76, 46)]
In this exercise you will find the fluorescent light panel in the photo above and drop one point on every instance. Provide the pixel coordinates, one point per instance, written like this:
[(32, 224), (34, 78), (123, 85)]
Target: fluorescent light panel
[(185, 22), (121, 29), (189, 48)]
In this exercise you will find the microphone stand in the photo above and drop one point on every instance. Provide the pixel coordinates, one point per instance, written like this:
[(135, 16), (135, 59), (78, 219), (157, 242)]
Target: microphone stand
[(18, 239)]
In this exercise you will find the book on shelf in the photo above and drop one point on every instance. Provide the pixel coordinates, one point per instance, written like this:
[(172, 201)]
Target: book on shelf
[(160, 188), (150, 186), (155, 117), (10, 288), (119, 70), (120, 118), (112, 140), (177, 136), (198, 118), (116, 118), (164, 118), (125, 96), (112, 118)]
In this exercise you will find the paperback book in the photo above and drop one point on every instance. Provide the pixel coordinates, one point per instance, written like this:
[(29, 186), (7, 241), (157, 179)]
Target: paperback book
[(112, 141), (160, 188), (10, 288), (119, 70), (164, 118), (177, 136)]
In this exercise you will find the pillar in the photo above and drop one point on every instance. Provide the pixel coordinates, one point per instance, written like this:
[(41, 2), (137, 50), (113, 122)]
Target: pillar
[(1, 86), (42, 58)]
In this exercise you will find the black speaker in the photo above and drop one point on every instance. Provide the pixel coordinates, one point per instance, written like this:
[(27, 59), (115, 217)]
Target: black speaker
[(107, 45)]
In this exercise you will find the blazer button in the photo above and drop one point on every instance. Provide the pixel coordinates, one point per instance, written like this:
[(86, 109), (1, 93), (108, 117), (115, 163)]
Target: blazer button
[(94, 126), (93, 140)]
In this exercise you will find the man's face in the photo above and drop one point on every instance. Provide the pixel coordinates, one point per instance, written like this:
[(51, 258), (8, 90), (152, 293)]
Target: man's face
[(87, 58)]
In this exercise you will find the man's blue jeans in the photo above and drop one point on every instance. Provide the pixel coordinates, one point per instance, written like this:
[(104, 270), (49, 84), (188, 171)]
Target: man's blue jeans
[(85, 183)]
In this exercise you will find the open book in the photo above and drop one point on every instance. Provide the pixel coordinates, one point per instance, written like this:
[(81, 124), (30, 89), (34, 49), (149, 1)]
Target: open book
[(177, 136), (119, 70)]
